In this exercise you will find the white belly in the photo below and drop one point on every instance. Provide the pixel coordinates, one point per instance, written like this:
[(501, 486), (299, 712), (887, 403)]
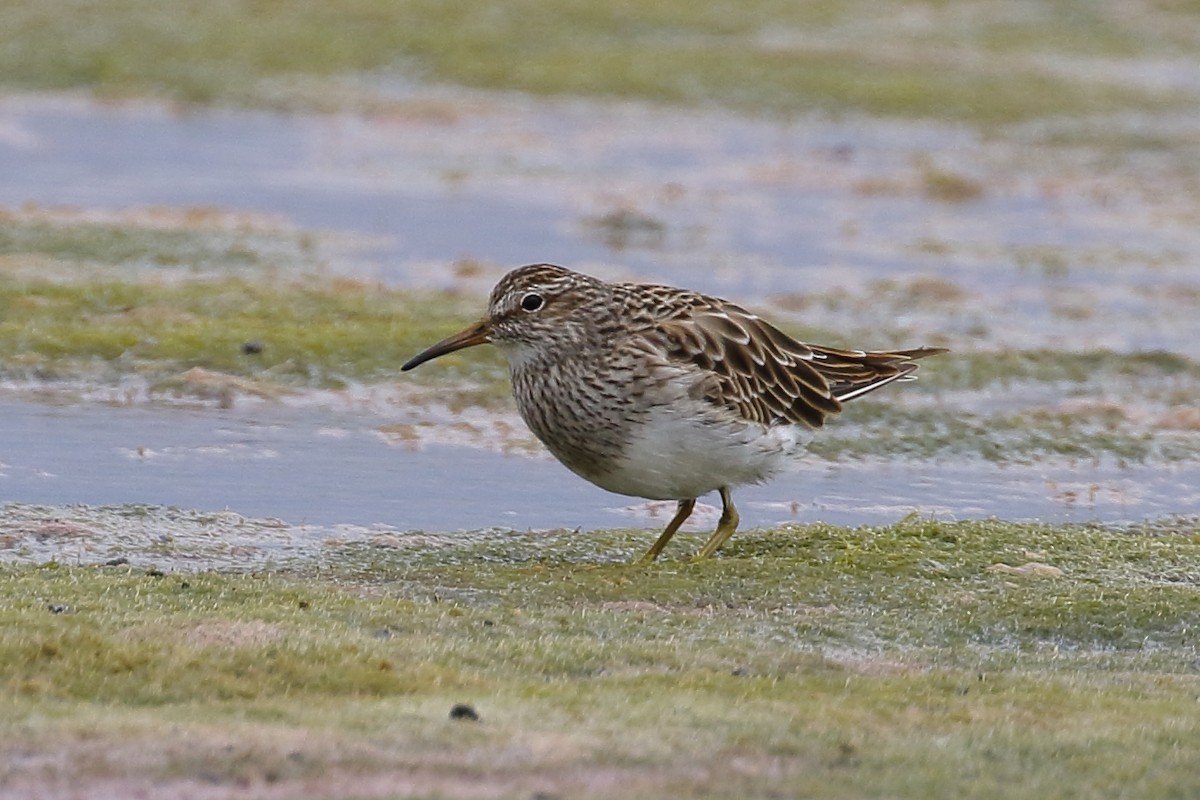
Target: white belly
[(677, 454)]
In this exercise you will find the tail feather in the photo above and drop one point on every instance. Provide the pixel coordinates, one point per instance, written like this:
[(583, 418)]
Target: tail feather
[(853, 373)]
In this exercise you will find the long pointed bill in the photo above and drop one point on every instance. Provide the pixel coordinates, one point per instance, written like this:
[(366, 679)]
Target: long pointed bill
[(476, 334)]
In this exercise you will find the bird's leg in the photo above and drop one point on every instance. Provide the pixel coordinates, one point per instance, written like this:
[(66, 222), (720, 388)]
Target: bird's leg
[(683, 511), (725, 527)]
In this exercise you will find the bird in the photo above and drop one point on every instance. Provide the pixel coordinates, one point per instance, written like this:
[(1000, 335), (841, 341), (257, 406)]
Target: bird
[(658, 392)]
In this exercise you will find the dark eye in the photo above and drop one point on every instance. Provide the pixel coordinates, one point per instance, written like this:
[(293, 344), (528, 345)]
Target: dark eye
[(532, 302)]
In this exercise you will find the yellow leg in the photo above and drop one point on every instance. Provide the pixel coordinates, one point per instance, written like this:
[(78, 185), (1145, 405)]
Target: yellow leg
[(683, 511), (725, 528)]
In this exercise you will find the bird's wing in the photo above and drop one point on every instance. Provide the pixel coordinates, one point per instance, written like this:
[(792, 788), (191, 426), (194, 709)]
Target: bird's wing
[(853, 373), (766, 376)]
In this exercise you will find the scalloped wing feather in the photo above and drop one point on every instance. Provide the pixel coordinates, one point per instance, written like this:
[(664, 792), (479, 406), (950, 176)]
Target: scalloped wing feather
[(768, 377)]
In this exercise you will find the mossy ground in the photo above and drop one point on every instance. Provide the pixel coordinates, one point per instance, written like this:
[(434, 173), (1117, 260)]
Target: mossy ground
[(987, 659), (309, 332), (81, 301), (979, 63)]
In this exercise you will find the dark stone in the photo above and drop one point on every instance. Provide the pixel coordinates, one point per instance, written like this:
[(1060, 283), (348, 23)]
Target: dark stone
[(464, 711)]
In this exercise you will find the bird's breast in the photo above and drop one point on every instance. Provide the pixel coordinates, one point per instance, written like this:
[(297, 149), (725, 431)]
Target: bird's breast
[(580, 415)]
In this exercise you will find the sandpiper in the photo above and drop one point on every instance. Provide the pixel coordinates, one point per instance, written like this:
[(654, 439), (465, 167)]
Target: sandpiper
[(664, 393)]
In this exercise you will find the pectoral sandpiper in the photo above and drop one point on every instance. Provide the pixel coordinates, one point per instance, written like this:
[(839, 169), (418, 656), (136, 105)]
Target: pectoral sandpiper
[(664, 393)]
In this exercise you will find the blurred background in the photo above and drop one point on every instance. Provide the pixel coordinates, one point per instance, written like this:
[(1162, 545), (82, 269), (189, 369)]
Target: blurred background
[(224, 225)]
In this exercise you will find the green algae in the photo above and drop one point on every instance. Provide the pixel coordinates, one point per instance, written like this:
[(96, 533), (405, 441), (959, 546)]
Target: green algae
[(308, 332)]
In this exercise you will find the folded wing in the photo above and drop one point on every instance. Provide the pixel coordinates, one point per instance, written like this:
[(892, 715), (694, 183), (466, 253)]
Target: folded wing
[(767, 376)]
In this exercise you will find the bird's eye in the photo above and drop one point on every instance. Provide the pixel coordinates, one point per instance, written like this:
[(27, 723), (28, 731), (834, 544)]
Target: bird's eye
[(532, 302)]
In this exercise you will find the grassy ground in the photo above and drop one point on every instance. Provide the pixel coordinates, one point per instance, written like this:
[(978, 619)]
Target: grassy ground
[(308, 331), (105, 301), (986, 659), (976, 62)]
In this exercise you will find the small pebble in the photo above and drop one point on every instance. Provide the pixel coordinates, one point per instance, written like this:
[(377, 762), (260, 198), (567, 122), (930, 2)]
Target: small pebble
[(464, 711)]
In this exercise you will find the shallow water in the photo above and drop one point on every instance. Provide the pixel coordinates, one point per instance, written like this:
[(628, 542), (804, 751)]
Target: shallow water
[(746, 206), (743, 208), (314, 468)]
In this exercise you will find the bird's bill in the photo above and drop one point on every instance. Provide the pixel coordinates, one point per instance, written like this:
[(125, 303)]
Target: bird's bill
[(479, 333)]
